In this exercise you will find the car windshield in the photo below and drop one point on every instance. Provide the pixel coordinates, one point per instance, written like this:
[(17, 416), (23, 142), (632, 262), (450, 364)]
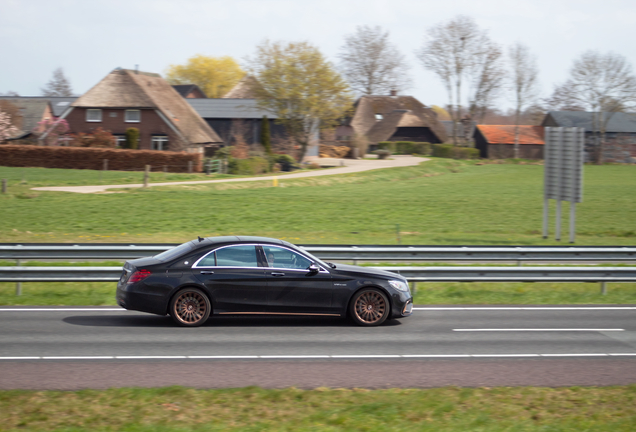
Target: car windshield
[(174, 252), (312, 257)]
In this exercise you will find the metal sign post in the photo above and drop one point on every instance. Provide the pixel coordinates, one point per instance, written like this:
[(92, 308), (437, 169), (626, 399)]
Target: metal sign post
[(563, 174)]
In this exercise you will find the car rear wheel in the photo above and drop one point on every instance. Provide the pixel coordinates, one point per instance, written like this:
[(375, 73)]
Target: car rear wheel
[(369, 307), (190, 307)]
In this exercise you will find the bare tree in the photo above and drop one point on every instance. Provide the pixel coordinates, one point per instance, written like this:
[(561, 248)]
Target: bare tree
[(459, 50), (487, 79), (371, 64), (601, 83), (10, 93), (58, 85), (524, 74)]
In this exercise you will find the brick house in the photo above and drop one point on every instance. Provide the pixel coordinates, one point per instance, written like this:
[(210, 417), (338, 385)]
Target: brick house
[(128, 98)]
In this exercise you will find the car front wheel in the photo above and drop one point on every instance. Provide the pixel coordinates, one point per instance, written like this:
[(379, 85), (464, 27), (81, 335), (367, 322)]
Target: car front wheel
[(190, 307), (369, 307)]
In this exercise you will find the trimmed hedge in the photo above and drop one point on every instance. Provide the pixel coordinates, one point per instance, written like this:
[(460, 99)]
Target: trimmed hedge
[(93, 158), (405, 147), (453, 152)]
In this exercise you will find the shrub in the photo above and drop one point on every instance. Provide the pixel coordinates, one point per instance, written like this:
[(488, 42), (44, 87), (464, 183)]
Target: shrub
[(249, 166), (100, 138), (443, 150), (421, 148), (452, 152), (132, 138), (387, 145), (286, 162)]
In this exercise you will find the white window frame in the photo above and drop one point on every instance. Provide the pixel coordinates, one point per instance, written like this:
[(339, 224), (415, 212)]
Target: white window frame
[(94, 111), (159, 142), (128, 120), (120, 141)]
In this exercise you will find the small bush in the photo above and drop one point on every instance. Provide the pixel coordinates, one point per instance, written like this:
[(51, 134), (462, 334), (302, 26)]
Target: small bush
[(421, 148), (452, 152), (443, 150), (387, 145), (249, 166), (285, 161), (132, 138)]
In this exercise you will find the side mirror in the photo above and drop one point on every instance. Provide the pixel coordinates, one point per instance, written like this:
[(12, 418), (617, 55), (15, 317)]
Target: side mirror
[(313, 268)]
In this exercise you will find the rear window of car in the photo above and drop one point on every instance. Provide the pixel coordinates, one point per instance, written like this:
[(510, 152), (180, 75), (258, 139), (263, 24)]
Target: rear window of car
[(175, 252)]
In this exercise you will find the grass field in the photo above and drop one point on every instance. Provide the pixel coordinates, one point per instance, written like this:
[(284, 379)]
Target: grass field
[(431, 293), (253, 409), (438, 202)]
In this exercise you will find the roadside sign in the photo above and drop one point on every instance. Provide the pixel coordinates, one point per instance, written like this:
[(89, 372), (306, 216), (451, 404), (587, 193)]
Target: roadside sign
[(563, 173)]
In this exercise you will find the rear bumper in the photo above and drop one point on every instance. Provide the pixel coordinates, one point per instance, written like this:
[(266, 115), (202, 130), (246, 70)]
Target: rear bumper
[(132, 299)]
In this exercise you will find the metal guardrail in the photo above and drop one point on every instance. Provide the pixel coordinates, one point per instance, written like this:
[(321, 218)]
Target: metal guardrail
[(343, 252), (413, 274)]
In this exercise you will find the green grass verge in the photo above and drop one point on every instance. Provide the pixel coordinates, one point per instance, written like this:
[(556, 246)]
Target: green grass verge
[(441, 201), (255, 409), (430, 293)]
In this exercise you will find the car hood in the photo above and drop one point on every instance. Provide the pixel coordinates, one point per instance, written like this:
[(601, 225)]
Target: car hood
[(351, 269)]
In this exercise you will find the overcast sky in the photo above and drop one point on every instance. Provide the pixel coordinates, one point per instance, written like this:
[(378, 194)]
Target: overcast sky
[(89, 38)]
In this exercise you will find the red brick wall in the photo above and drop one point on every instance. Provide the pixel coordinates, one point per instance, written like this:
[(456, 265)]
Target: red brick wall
[(150, 124)]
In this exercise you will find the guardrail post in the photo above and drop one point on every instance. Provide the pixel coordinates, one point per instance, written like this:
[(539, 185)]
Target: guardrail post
[(413, 287), (4, 186), (189, 167), (604, 288), (18, 285), (146, 175)]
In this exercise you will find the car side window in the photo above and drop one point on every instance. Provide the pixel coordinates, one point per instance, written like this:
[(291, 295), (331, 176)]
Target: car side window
[(236, 256), (278, 257), (208, 261)]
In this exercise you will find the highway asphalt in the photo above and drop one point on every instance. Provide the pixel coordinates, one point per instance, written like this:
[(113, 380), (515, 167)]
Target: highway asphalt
[(72, 348)]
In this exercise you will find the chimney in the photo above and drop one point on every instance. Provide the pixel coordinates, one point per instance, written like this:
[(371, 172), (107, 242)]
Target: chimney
[(393, 92)]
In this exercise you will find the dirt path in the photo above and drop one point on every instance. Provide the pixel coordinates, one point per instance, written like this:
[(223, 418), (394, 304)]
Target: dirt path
[(341, 166)]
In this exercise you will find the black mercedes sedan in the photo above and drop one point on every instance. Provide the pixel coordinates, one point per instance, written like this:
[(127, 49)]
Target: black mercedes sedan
[(257, 275)]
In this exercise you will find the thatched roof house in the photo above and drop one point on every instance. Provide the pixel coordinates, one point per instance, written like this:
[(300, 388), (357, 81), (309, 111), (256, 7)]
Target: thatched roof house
[(127, 98), (395, 118), (244, 89)]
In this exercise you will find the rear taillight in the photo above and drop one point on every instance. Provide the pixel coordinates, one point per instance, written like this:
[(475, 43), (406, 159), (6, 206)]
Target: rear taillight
[(139, 275)]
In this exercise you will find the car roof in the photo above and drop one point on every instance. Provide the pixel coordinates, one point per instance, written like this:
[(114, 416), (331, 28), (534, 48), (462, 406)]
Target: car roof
[(238, 239)]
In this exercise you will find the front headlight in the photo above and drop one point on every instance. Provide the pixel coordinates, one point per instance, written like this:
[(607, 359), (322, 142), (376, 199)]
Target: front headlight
[(399, 285)]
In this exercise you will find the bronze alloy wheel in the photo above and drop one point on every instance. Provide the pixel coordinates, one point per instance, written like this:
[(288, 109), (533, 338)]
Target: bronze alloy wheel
[(369, 307), (190, 307)]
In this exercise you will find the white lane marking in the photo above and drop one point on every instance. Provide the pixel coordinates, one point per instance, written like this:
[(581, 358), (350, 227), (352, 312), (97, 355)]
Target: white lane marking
[(538, 330), (450, 308), (353, 356)]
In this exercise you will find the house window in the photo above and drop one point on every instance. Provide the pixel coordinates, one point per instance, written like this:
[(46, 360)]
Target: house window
[(133, 116), (93, 115), (120, 141), (159, 142)]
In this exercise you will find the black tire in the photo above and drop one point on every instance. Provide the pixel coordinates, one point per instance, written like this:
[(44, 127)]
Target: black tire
[(369, 307), (190, 307)]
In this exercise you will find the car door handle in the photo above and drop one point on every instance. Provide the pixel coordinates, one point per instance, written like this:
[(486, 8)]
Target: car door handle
[(207, 272), (278, 274)]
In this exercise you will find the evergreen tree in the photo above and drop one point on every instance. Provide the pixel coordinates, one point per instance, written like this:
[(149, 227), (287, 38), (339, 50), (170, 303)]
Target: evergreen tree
[(266, 139)]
